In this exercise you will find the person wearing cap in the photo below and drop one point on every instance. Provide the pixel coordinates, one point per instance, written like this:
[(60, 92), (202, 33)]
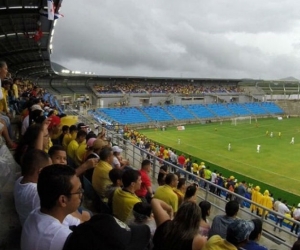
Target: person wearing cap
[(118, 161), (82, 126), (202, 174), (221, 222), (266, 201), (100, 178), (35, 112), (296, 216), (124, 199), (237, 235), (54, 128), (60, 193), (255, 236)]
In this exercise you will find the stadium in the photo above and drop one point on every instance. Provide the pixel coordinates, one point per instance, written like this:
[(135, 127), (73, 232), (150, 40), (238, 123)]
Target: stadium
[(217, 121)]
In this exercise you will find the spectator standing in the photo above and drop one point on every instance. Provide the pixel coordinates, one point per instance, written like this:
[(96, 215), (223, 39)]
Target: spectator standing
[(166, 193), (145, 193), (296, 216), (282, 210), (124, 199), (241, 190), (180, 190)]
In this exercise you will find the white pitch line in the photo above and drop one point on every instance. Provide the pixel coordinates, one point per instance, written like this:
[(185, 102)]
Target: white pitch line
[(242, 163)]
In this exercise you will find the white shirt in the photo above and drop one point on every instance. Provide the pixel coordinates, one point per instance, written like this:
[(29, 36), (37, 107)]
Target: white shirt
[(26, 199), (213, 177), (283, 209), (116, 162), (296, 214), (44, 232), (25, 124)]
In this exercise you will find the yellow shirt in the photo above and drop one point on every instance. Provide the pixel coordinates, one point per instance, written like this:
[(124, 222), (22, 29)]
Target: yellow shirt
[(166, 194), (3, 102), (66, 140), (123, 203), (71, 150), (100, 179), (180, 196), (80, 152), (217, 243), (195, 167), (15, 90)]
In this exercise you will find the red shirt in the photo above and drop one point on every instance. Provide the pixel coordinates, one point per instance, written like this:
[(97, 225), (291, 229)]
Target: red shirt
[(181, 160), (146, 182)]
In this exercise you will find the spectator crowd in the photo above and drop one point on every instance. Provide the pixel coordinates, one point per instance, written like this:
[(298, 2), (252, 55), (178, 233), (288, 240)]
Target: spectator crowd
[(63, 162), (183, 88)]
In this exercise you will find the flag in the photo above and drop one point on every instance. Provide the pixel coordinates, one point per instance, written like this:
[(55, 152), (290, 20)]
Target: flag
[(45, 14), (50, 10)]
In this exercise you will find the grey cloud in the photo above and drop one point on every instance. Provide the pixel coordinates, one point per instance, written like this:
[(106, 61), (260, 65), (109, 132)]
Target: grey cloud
[(174, 38)]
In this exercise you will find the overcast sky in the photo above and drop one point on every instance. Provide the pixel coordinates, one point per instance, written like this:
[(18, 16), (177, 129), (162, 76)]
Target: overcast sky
[(176, 38)]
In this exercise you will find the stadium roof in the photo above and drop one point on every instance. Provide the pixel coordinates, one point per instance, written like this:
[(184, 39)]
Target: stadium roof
[(25, 37)]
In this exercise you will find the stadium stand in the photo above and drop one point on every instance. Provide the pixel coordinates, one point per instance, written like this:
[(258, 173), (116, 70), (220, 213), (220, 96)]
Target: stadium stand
[(179, 112), (157, 113)]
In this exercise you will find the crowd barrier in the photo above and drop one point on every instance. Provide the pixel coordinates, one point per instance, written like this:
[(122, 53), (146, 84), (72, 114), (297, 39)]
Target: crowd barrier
[(281, 238)]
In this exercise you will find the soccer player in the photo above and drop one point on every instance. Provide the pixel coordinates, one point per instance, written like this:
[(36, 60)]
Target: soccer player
[(292, 141), (271, 134), (229, 147), (178, 141), (279, 134), (267, 132), (258, 148)]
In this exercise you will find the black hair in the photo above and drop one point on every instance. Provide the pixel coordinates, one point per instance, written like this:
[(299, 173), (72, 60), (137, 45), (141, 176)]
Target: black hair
[(115, 174), (169, 178), (130, 176), (33, 160), (65, 128), (257, 229), (231, 208), (72, 128), (81, 133), (181, 182), (54, 149), (104, 153), (205, 207), (53, 182), (91, 135), (28, 141), (190, 192), (142, 208), (2, 64), (145, 163)]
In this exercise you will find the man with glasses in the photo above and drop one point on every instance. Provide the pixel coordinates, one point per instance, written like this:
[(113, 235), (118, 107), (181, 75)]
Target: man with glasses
[(60, 194)]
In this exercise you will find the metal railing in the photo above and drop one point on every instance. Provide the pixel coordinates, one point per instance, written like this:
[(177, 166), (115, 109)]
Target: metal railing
[(282, 238)]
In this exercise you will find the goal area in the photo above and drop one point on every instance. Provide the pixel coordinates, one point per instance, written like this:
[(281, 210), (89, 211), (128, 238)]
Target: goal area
[(241, 120)]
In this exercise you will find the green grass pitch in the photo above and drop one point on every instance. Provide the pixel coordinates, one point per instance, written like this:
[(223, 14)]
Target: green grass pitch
[(276, 166)]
